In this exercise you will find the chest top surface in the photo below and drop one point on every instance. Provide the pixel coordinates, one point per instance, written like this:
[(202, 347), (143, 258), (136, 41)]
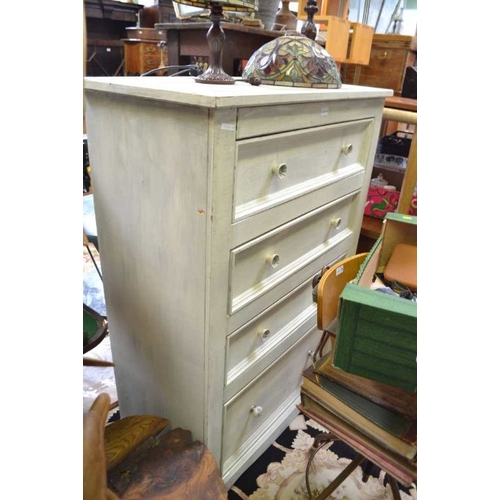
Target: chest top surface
[(184, 90)]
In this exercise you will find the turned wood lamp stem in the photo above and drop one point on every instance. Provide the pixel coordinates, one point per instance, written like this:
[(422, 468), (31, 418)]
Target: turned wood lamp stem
[(309, 28), (215, 38)]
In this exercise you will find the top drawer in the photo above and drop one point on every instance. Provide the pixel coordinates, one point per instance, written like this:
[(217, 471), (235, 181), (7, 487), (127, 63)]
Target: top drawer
[(265, 120), (274, 169)]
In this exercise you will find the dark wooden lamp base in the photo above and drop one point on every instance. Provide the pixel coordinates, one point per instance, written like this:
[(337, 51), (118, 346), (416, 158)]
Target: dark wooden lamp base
[(215, 38)]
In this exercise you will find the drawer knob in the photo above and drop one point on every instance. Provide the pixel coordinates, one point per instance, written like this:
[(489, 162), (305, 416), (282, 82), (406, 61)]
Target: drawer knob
[(256, 411), (336, 222), (273, 260), (383, 55), (347, 149), (264, 334), (280, 170)]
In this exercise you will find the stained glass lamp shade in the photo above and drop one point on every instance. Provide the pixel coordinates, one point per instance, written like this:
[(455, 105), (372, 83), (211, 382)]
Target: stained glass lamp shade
[(293, 61), (216, 35)]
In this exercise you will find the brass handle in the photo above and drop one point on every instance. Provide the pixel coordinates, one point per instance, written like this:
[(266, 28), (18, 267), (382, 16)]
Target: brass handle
[(280, 170), (383, 55)]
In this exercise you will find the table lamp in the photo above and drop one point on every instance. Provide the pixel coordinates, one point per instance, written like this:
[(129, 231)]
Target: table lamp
[(216, 35)]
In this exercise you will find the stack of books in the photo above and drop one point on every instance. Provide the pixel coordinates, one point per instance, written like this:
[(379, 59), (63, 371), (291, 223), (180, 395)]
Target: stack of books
[(377, 420)]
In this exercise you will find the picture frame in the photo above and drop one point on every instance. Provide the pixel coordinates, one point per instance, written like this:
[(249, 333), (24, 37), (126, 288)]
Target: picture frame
[(188, 12), (183, 12)]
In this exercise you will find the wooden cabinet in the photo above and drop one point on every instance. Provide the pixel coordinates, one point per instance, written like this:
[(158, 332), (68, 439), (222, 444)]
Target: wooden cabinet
[(143, 51), (141, 56), (390, 56), (216, 206)]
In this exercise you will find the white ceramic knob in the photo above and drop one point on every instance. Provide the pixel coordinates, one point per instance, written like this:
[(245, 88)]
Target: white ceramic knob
[(280, 170), (336, 222), (273, 260), (256, 411), (264, 334), (347, 148)]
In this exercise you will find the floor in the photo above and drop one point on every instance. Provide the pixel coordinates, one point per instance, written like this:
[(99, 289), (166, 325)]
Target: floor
[(96, 379)]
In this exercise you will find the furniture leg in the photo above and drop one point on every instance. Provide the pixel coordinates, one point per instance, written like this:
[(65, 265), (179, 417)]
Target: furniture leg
[(358, 460), (328, 438), (367, 470), (394, 488), (93, 260), (173, 47)]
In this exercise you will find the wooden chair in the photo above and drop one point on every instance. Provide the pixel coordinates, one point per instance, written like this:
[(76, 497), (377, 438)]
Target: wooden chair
[(137, 457), (330, 287)]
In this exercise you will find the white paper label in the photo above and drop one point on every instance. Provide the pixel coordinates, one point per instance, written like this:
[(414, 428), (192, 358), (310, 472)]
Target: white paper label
[(227, 126)]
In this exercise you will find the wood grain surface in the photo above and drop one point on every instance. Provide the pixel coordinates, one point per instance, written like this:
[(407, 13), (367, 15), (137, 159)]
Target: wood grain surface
[(169, 467), (126, 434)]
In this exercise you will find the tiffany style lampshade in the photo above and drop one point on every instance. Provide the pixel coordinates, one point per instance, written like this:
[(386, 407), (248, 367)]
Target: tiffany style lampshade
[(293, 60), (216, 35)]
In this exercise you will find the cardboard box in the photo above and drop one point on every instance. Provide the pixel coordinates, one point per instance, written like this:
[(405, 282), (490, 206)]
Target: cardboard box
[(377, 332)]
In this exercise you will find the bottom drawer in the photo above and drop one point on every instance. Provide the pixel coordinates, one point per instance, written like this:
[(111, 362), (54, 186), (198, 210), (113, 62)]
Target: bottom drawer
[(261, 406)]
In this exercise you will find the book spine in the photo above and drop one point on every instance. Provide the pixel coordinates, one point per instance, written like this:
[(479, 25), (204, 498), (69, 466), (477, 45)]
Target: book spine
[(391, 397), (374, 432), (390, 421)]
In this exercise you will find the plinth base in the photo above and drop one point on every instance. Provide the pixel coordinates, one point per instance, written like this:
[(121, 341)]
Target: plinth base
[(217, 76)]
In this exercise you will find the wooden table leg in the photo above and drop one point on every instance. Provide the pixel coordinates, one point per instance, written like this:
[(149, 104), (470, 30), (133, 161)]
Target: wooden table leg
[(325, 439), (394, 488), (358, 460)]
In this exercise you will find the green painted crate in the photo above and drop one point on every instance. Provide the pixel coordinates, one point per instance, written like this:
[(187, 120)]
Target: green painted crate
[(377, 332)]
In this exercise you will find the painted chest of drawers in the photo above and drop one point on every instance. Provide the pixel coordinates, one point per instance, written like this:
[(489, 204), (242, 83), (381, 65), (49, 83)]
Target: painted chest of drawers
[(215, 207)]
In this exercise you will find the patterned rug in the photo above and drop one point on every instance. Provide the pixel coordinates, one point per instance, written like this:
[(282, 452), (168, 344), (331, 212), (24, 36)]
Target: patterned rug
[(279, 473)]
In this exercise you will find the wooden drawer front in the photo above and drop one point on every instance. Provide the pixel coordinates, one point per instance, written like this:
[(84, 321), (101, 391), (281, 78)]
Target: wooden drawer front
[(150, 56), (150, 63), (254, 346), (289, 117), (274, 391), (275, 169), (145, 33), (263, 263), (150, 49), (141, 56)]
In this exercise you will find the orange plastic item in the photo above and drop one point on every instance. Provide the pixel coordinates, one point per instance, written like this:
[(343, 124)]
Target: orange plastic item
[(402, 266)]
